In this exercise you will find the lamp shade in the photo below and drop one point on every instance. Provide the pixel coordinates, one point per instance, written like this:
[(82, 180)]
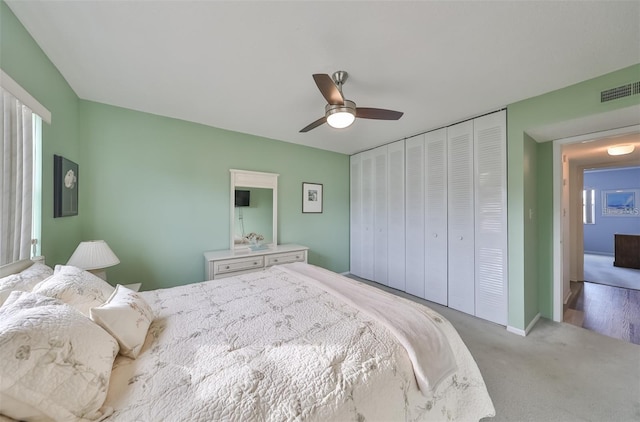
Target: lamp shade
[(93, 255)]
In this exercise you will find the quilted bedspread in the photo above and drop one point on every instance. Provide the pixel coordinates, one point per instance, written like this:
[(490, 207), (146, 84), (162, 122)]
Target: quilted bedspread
[(270, 346)]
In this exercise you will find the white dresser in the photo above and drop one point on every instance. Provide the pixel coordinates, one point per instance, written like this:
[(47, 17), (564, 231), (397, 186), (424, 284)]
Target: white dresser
[(227, 263)]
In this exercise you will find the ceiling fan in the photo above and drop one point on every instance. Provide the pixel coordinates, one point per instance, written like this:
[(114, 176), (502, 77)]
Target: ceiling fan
[(340, 112)]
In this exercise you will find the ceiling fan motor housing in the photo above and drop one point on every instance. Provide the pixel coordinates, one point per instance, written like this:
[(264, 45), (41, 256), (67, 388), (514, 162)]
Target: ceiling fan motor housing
[(347, 107)]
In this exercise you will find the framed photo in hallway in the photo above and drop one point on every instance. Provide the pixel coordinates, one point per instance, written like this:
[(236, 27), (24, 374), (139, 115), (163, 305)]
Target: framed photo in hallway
[(620, 203)]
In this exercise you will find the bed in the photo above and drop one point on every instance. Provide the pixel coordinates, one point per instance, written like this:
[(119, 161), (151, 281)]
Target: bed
[(293, 342)]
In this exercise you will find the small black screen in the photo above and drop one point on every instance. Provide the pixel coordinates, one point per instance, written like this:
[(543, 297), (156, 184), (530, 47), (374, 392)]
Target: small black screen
[(242, 198)]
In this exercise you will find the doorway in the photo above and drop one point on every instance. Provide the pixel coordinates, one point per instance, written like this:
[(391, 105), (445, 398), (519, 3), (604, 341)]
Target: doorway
[(590, 296)]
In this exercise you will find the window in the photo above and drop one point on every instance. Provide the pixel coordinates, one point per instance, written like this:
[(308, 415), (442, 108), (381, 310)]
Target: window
[(589, 206), (21, 172)]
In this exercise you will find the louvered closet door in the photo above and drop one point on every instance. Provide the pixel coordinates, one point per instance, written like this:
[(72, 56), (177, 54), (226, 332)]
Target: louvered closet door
[(380, 201), (367, 215), (396, 226), (414, 200), (355, 252), (435, 231), (491, 217), (460, 200)]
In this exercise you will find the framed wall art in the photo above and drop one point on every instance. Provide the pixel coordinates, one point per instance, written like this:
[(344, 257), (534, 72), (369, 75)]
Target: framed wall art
[(65, 187), (620, 203), (311, 198)]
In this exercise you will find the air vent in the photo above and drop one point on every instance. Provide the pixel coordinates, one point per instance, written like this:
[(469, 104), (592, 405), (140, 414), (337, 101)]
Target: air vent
[(620, 92)]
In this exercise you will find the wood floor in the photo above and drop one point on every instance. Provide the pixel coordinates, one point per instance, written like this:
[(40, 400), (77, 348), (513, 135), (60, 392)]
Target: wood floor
[(611, 311)]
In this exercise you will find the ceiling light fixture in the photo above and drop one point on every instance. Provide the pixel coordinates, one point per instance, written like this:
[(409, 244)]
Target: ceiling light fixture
[(340, 116), (620, 149)]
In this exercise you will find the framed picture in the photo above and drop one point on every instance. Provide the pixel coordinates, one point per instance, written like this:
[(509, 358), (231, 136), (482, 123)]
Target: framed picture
[(65, 187), (311, 198), (620, 203)]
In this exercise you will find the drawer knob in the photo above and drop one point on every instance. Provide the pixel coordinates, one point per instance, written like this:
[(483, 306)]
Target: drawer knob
[(255, 263), (297, 257), (275, 260), (226, 268)]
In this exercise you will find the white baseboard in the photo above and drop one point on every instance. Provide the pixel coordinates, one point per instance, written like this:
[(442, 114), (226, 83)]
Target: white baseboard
[(524, 332)]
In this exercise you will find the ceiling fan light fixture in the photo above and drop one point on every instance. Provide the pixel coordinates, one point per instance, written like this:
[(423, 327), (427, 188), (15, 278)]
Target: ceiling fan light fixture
[(340, 116), (620, 149)]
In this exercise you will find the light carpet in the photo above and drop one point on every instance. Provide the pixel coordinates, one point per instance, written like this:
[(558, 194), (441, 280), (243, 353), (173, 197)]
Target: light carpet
[(599, 269), (559, 372)]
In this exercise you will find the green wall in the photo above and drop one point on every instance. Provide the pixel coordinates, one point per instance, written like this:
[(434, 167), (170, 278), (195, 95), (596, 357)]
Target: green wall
[(157, 190), (24, 61), (530, 168)]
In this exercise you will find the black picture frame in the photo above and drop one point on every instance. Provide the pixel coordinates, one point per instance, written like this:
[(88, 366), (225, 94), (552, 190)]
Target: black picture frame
[(312, 198), (65, 187)]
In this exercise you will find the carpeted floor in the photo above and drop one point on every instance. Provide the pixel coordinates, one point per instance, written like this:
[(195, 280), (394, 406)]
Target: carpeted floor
[(599, 269), (557, 373)]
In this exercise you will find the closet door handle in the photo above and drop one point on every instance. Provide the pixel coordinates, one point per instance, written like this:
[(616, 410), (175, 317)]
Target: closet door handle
[(435, 235), (460, 238)]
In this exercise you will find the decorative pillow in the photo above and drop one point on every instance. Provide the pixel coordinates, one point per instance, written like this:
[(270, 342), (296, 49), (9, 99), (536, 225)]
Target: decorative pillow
[(23, 281), (55, 363), (76, 287), (126, 316)]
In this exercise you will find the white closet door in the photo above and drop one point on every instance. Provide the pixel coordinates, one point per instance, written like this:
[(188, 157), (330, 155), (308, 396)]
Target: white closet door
[(355, 251), (461, 217), (396, 227), (435, 230), (367, 215), (490, 141), (380, 201), (414, 200)]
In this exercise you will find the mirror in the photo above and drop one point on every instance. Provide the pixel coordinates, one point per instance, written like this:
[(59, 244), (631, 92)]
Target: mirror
[(257, 208), (254, 217)]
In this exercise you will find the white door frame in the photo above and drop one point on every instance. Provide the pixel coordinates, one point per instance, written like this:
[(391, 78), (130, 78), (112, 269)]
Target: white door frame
[(558, 259)]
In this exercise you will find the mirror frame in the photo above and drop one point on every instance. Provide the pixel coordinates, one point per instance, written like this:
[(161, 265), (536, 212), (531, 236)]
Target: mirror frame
[(252, 179)]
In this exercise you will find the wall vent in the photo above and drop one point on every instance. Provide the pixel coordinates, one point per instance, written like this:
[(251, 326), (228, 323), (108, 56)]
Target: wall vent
[(620, 92)]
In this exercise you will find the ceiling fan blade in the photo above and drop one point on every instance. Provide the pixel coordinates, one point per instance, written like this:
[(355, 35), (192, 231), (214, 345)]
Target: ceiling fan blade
[(328, 89), (377, 113), (314, 125)]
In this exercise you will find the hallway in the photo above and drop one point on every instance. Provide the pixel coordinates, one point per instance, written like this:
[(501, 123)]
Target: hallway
[(611, 311)]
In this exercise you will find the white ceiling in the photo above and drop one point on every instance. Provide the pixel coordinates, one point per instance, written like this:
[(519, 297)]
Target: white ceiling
[(247, 66)]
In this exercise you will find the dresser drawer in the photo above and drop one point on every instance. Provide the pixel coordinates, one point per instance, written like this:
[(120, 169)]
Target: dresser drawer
[(285, 258), (242, 264)]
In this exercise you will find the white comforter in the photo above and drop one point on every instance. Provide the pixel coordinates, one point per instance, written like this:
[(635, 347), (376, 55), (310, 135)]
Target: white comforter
[(271, 346)]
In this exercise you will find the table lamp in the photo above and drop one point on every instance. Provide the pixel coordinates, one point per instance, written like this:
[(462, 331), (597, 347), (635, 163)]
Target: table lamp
[(94, 256)]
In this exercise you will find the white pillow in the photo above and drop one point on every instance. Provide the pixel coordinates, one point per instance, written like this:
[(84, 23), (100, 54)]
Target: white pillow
[(23, 281), (75, 287), (55, 363), (126, 316)]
